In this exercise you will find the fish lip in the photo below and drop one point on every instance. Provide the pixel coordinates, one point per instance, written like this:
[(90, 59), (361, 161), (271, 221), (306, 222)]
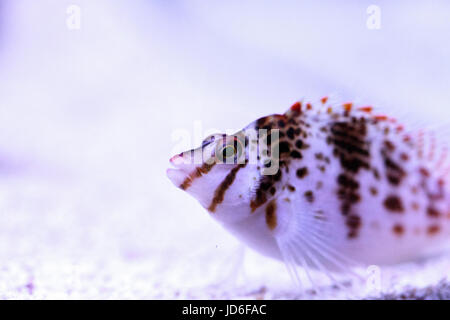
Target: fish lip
[(178, 162), (176, 172)]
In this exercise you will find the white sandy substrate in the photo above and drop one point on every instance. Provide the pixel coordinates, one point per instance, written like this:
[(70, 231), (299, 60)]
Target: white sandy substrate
[(66, 243)]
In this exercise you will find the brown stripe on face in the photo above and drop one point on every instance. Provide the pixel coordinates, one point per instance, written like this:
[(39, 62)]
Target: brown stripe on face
[(271, 215), (197, 173), (262, 194), (260, 199), (219, 194)]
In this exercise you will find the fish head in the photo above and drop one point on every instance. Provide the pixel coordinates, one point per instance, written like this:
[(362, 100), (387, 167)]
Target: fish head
[(225, 173)]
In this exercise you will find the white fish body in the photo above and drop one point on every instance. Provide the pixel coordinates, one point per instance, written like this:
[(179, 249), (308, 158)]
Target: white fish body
[(352, 187)]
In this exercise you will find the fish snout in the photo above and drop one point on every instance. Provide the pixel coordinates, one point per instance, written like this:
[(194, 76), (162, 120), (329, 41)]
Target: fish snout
[(183, 165)]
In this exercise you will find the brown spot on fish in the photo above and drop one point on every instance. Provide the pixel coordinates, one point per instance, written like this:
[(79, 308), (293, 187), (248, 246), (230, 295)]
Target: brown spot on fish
[(290, 133), (299, 144), (433, 229), (284, 147), (352, 234), (291, 188), (404, 156), (302, 172), (347, 182), (433, 212), (376, 173), (398, 229), (271, 217), (394, 203), (389, 145), (309, 195), (261, 121), (281, 123), (394, 173), (296, 155), (319, 156), (273, 190), (353, 221), (373, 191)]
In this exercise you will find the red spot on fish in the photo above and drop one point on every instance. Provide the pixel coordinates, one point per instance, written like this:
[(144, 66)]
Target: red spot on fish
[(381, 117), (367, 109), (348, 106), (297, 107), (308, 106), (324, 100)]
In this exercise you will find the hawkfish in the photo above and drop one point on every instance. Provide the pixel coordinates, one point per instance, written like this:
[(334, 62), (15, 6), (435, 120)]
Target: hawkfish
[(325, 187)]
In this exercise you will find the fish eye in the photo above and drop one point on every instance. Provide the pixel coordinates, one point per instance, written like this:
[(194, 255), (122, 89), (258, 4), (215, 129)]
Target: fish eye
[(228, 151), (230, 148)]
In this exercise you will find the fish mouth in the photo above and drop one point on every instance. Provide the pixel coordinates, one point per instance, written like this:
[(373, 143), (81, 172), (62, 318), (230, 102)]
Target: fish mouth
[(181, 167), (181, 162)]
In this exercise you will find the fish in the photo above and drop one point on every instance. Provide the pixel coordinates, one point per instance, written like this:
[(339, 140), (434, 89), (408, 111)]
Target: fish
[(325, 187)]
